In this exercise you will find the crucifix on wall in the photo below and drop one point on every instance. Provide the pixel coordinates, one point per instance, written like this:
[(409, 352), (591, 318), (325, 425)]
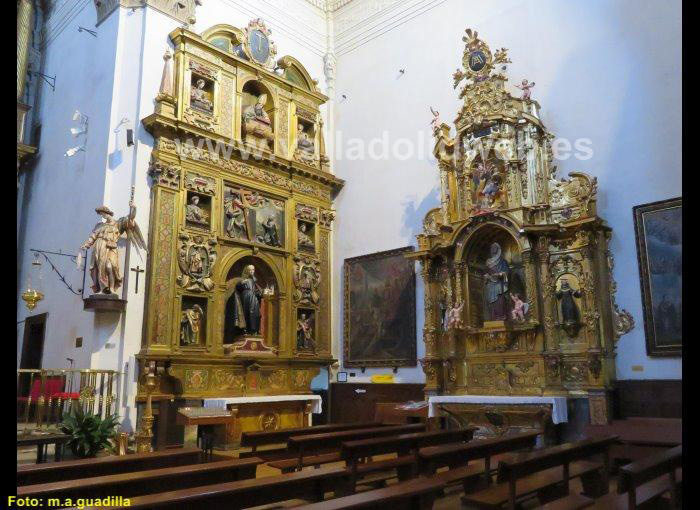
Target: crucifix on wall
[(138, 271)]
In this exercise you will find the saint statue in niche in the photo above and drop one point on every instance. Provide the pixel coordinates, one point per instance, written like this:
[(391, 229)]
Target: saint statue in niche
[(257, 111), (304, 333), (196, 263), (200, 97), (190, 323), (104, 263), (569, 308), (194, 213), (520, 308), (303, 238), (249, 298), (304, 144), (237, 214), (496, 284)]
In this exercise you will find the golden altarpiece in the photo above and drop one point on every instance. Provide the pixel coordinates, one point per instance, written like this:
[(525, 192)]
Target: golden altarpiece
[(240, 179), (519, 294)]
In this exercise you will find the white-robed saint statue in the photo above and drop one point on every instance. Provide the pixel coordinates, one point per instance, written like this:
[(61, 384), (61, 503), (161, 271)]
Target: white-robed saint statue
[(104, 262)]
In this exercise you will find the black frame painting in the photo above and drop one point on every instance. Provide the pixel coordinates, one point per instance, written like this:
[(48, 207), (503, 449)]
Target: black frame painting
[(658, 231), (380, 310)]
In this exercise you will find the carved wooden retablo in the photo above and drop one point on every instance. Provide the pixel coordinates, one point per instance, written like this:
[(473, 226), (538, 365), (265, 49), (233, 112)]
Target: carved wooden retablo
[(519, 294), (228, 195)]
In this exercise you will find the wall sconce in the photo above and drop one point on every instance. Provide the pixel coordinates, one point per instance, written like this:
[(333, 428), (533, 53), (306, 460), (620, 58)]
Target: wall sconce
[(33, 294)]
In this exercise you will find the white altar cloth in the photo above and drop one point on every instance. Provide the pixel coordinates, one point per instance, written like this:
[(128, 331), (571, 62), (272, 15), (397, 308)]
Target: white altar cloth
[(559, 413), (223, 402)]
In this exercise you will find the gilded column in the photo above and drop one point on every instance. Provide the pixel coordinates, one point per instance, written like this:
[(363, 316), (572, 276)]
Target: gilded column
[(547, 293), (24, 21), (429, 330)]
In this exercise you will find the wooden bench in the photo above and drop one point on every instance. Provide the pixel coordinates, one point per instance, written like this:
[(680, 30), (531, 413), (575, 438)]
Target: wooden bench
[(405, 446), (138, 483), (330, 443), (546, 474), (308, 485), (418, 494), (42, 441), (470, 463), (268, 437), (646, 480), (109, 465)]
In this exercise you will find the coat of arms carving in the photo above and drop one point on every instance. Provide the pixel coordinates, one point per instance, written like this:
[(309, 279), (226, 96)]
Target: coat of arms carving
[(196, 257)]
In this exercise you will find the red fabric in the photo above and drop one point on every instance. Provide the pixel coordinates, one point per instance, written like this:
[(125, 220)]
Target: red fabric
[(53, 386), (66, 395)]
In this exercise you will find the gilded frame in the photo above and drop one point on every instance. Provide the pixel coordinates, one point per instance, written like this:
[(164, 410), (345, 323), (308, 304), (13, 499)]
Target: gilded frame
[(654, 348), (407, 361)]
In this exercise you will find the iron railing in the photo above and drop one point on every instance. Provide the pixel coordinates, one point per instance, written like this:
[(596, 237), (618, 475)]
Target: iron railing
[(45, 395)]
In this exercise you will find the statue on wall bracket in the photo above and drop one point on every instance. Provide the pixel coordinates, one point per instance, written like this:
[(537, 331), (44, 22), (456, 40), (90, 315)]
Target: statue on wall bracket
[(104, 262)]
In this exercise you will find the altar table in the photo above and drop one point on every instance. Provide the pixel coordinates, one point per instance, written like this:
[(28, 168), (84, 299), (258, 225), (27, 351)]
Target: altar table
[(498, 414), (265, 412)]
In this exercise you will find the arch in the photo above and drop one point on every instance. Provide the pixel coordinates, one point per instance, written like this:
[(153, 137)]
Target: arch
[(235, 36), (296, 73), (466, 232), (252, 83), (225, 263)]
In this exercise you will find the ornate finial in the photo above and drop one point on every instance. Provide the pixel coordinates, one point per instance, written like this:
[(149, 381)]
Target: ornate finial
[(478, 62), (166, 82)]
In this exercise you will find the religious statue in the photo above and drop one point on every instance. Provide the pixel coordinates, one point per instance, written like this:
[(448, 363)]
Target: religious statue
[(196, 263), (303, 238), (496, 279), (303, 142), (569, 308), (248, 297), (257, 111), (190, 323), (304, 333), (454, 317), (104, 263), (237, 214), (520, 308), (525, 86), (199, 96), (194, 213), (269, 236)]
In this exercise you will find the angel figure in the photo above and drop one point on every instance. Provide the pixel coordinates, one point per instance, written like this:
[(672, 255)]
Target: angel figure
[(519, 308), (454, 317), (104, 263), (525, 86), (435, 123)]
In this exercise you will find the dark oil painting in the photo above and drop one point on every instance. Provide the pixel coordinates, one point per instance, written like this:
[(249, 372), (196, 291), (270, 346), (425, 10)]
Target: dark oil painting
[(380, 306), (660, 247)]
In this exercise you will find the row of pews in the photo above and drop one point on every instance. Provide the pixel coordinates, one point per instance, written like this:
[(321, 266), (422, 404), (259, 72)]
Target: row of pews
[(493, 473)]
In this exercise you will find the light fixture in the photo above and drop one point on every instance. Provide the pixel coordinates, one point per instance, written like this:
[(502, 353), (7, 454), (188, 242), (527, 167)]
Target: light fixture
[(33, 294), (76, 132), (74, 150)]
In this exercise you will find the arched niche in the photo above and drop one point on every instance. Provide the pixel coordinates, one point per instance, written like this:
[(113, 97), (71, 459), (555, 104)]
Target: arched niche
[(227, 38), (270, 308), (257, 115), (295, 72), (495, 279)]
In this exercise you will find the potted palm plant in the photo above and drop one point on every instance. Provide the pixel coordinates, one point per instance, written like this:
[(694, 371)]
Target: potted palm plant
[(89, 433)]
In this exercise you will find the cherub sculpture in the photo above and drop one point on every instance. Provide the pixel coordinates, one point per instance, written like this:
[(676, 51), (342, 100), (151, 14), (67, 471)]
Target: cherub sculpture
[(525, 86), (104, 263), (519, 308), (454, 317)]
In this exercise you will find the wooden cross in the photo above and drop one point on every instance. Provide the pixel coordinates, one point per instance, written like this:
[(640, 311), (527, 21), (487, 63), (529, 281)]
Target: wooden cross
[(137, 270)]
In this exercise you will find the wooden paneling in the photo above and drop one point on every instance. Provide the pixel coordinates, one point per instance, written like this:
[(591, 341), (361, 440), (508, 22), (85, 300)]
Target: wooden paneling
[(349, 405), (652, 398)]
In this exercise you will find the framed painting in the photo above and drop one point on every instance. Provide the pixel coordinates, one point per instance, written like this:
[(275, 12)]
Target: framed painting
[(380, 310), (658, 229)]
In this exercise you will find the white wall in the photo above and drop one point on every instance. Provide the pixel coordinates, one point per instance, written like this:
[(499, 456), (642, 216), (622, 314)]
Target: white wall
[(607, 71)]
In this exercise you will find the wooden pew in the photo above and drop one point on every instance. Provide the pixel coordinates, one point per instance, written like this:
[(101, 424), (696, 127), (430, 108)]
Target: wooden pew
[(418, 494), (267, 437), (405, 446), (113, 464), (138, 483), (471, 462), (646, 480), (332, 441), (311, 484), (546, 473)]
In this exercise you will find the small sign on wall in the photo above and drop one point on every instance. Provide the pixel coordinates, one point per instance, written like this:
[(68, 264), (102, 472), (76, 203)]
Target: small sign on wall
[(383, 378)]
